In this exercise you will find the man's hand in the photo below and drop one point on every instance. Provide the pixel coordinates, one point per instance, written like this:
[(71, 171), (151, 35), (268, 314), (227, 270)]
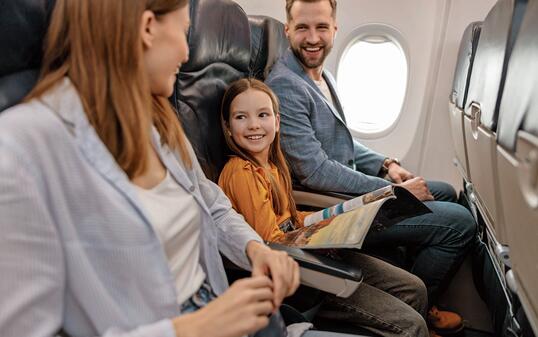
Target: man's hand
[(419, 188), (281, 268), (398, 174)]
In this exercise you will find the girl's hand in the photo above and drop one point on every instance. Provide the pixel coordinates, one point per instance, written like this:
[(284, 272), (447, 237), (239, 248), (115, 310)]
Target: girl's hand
[(282, 269), (242, 309)]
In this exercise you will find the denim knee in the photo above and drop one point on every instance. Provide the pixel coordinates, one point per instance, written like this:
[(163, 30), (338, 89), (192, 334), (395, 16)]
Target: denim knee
[(442, 191), (418, 326), (419, 300), (466, 223), (458, 222)]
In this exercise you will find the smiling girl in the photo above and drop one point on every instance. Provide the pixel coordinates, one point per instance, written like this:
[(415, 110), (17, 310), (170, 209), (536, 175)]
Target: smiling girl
[(256, 179)]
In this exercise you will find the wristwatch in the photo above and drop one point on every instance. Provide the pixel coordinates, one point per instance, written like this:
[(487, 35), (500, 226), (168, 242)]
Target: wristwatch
[(386, 163)]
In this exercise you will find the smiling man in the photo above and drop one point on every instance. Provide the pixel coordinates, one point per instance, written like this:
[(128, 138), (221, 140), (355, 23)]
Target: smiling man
[(324, 156)]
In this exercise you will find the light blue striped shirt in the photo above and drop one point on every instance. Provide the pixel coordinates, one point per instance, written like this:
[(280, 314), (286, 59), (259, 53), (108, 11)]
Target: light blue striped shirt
[(76, 248)]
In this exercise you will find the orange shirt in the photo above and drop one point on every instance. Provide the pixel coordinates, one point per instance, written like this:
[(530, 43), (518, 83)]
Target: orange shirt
[(249, 189)]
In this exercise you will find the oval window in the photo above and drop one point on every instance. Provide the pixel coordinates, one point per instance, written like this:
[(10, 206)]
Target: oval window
[(372, 80)]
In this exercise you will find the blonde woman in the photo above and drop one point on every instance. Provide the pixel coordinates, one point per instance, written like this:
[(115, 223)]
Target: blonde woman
[(109, 227)]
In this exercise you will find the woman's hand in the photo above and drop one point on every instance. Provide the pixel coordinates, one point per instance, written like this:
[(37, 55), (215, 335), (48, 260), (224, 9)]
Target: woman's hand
[(282, 269), (242, 309)]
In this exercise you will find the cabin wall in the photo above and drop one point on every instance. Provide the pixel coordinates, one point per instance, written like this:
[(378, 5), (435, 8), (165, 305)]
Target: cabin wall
[(431, 30)]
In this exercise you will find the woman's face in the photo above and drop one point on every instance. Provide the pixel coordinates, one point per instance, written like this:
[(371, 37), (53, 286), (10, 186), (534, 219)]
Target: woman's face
[(165, 48)]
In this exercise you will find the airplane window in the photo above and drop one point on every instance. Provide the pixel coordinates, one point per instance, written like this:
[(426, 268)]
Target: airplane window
[(372, 80)]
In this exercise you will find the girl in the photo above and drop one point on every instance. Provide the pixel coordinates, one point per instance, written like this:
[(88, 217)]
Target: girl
[(390, 301), (257, 180), (109, 227)]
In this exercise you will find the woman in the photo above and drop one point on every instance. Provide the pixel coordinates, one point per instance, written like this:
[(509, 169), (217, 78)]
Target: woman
[(88, 165)]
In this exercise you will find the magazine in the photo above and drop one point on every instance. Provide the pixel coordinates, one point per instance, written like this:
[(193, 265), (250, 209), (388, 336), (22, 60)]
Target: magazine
[(345, 225)]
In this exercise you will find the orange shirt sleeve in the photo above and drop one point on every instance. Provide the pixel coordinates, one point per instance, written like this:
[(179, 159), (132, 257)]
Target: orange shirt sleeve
[(249, 193), (300, 217)]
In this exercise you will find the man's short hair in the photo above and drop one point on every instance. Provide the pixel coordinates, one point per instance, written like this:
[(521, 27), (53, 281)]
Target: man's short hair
[(289, 4)]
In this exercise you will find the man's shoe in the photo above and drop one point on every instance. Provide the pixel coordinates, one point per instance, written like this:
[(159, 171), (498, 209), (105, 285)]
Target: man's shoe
[(444, 322)]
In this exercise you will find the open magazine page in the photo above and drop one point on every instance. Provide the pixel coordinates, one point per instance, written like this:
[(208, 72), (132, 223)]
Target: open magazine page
[(379, 209), (346, 230), (349, 205)]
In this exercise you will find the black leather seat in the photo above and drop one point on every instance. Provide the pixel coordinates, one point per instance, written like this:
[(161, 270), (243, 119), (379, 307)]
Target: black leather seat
[(458, 98), (219, 55), (22, 28), (517, 160), (267, 43)]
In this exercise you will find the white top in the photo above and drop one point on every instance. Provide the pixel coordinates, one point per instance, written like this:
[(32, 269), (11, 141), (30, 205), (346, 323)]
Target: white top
[(322, 85), (175, 216)]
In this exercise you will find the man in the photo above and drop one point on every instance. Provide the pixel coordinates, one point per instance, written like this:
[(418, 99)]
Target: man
[(324, 156)]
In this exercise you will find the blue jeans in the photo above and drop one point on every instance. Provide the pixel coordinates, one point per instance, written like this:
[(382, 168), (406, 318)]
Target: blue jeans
[(442, 239), (442, 191)]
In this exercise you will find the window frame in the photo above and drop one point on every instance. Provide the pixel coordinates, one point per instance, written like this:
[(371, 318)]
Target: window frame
[(393, 35)]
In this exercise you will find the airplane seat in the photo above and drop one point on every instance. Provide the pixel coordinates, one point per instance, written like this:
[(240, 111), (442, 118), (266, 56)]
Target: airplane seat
[(22, 28), (268, 43), (220, 47), (458, 98), (517, 163), (497, 36), (219, 42)]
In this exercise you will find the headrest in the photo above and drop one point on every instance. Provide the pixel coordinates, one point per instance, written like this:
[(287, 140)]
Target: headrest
[(23, 24), (219, 33), (219, 42), (493, 52), (464, 66), (519, 106), (267, 43)]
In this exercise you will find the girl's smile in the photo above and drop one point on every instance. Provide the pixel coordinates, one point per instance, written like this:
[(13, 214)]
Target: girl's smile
[(253, 124)]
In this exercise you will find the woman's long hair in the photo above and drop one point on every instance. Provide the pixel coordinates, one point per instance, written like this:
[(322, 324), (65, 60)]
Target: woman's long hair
[(97, 44), (281, 198)]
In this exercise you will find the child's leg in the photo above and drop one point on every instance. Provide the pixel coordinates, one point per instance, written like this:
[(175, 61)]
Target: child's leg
[(389, 302)]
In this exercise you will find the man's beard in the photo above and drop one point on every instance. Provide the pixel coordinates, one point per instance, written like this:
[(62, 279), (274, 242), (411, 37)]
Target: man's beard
[(309, 64)]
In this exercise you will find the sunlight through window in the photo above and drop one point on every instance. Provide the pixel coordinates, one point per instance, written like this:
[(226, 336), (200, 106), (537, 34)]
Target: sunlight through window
[(372, 80)]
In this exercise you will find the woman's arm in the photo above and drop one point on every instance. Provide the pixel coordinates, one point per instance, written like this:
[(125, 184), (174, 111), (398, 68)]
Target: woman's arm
[(31, 254), (33, 279)]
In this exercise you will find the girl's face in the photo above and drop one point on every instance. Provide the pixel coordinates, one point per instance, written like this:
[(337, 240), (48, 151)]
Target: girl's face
[(165, 48), (253, 124)]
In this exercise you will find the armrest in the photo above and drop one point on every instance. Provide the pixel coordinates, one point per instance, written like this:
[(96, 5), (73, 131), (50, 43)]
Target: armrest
[(307, 197), (323, 273)]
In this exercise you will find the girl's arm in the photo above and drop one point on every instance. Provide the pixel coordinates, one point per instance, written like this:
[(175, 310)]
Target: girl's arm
[(249, 194), (232, 232)]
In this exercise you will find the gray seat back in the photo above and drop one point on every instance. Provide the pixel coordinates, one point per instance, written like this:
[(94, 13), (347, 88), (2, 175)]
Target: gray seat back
[(517, 160), (497, 37), (460, 86)]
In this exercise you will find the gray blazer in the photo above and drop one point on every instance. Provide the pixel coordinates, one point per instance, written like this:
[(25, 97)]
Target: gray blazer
[(76, 248), (318, 145)]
